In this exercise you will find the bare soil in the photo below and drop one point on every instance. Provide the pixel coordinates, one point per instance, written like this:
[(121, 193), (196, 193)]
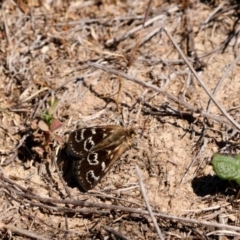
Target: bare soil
[(103, 64)]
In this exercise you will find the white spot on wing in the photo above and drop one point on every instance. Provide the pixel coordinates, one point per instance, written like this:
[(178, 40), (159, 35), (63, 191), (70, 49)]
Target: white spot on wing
[(82, 134), (94, 158), (90, 174), (79, 134), (103, 166), (88, 141), (71, 149)]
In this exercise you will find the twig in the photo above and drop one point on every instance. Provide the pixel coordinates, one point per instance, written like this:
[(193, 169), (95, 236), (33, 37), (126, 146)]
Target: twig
[(202, 83), (189, 167), (81, 203), (132, 31), (170, 96), (147, 203), (210, 17), (221, 80), (147, 12), (116, 233), (11, 159), (59, 174), (48, 224), (21, 231)]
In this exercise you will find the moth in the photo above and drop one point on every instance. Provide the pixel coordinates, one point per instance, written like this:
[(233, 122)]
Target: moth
[(94, 150), (227, 167)]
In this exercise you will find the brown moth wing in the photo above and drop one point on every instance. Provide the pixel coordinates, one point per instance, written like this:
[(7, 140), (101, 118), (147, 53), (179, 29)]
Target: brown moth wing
[(94, 150), (85, 139), (88, 175)]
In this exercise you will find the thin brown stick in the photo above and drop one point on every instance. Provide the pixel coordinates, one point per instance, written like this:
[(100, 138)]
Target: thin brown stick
[(119, 208), (147, 12), (147, 203), (221, 80), (51, 201), (170, 96), (132, 31), (116, 233), (59, 174), (11, 159), (21, 231), (206, 89)]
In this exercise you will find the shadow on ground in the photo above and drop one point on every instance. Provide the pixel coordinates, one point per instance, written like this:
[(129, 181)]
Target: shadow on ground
[(212, 185)]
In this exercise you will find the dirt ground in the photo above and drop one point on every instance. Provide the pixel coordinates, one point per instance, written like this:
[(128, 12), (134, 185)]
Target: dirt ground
[(112, 62)]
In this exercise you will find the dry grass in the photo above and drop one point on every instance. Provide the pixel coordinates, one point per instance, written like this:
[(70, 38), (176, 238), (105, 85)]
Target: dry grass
[(80, 53)]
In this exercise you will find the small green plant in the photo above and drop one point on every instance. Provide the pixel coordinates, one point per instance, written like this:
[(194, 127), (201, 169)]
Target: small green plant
[(49, 123), (227, 167)]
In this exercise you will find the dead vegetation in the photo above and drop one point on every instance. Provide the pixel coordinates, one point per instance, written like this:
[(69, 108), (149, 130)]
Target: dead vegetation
[(104, 64)]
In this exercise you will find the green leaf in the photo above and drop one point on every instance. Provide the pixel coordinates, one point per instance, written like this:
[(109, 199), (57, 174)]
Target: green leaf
[(227, 167), (52, 108), (47, 118)]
